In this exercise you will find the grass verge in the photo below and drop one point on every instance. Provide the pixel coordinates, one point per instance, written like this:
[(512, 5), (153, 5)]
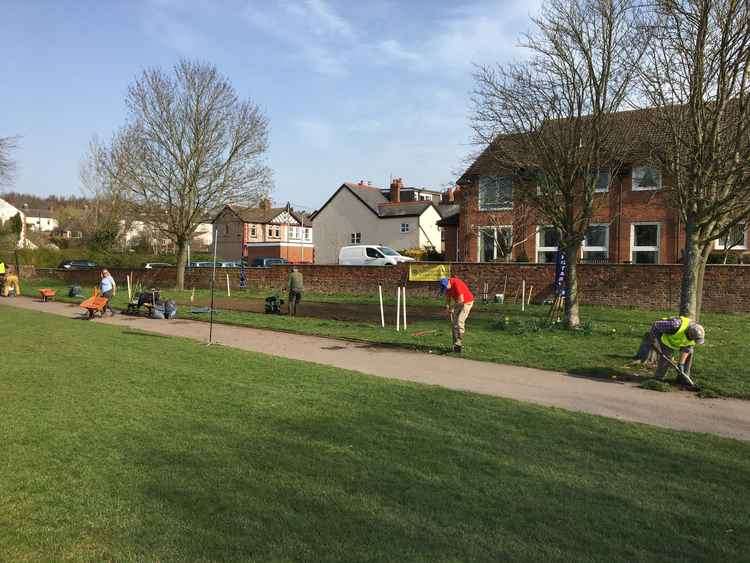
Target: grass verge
[(122, 445)]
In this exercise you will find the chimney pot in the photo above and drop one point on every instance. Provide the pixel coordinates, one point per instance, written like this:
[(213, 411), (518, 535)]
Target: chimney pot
[(396, 185)]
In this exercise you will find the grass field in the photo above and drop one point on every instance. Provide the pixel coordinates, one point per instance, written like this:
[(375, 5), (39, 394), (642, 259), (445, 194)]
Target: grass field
[(603, 350), (121, 445)]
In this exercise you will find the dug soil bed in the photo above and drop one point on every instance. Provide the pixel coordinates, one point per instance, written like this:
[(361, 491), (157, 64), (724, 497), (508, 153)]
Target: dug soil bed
[(358, 312)]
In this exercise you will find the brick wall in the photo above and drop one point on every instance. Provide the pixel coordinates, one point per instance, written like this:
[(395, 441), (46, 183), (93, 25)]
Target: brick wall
[(727, 288)]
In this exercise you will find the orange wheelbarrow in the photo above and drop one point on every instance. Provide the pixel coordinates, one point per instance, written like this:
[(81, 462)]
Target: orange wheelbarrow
[(95, 304)]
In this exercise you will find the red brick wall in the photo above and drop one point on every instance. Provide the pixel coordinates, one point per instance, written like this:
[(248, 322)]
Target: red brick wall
[(727, 288), (620, 207)]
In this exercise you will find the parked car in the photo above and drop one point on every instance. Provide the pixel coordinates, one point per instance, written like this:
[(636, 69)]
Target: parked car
[(77, 265), (268, 262), (200, 265), (370, 255), (155, 265)]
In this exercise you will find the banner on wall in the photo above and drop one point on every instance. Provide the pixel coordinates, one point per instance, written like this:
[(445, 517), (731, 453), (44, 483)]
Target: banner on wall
[(429, 272), (561, 271)]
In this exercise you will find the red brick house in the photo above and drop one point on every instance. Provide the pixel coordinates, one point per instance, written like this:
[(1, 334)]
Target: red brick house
[(264, 232), (632, 223)]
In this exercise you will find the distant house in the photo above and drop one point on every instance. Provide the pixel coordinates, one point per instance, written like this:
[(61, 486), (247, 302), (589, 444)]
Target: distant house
[(264, 232), (40, 220), (364, 214), (7, 212)]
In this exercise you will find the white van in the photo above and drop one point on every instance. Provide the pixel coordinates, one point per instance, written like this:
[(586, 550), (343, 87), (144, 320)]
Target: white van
[(370, 255)]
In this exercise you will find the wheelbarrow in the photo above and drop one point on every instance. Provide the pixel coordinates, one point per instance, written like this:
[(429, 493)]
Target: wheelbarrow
[(95, 304)]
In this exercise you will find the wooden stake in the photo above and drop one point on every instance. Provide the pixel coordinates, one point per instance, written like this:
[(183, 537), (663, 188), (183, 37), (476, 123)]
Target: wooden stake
[(382, 314), (398, 309), (403, 305), (229, 293), (531, 291), (523, 295)]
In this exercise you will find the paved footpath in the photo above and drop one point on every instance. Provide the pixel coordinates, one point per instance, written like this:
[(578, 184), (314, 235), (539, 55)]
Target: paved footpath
[(623, 401)]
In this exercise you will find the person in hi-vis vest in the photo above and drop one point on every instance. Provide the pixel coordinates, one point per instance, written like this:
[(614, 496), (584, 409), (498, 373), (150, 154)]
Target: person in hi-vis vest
[(676, 335)]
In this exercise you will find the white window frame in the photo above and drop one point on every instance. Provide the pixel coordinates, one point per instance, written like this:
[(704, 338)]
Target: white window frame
[(355, 238), (253, 231), (632, 180), (539, 248), (609, 181), (484, 207), (718, 245), (634, 248), (495, 228), (307, 234), (605, 248), (405, 228)]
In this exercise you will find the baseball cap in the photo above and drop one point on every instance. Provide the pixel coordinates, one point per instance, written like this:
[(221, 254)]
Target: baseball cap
[(696, 332), (443, 285)]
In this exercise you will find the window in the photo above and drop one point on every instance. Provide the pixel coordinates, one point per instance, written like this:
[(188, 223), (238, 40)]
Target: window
[(547, 242), (293, 233), (495, 243), (595, 246), (404, 227), (356, 238), (644, 243), (646, 178), (736, 239), (308, 234), (495, 193), (226, 228), (253, 231), (277, 232), (602, 181), (373, 253)]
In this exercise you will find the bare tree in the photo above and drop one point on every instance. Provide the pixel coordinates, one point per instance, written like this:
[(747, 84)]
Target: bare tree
[(190, 146), (549, 121), (696, 74), (7, 163)]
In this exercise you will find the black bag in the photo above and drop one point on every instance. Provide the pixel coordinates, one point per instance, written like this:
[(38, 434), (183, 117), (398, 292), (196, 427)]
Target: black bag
[(74, 291)]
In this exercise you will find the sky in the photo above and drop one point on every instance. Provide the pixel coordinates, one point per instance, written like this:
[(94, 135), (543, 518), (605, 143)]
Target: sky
[(353, 90)]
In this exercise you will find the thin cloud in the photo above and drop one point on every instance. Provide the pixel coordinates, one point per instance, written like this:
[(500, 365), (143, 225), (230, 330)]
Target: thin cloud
[(313, 28)]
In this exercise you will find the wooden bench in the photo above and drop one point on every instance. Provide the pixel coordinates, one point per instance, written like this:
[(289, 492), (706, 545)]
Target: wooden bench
[(46, 294)]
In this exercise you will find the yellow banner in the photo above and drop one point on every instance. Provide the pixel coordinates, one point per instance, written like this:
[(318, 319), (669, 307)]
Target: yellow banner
[(429, 272)]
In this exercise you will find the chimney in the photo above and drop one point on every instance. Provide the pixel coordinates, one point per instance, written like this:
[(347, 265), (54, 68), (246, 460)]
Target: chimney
[(448, 196), (265, 204), (396, 185)]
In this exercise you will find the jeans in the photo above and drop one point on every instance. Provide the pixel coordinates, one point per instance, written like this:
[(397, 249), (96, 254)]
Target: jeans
[(108, 307)]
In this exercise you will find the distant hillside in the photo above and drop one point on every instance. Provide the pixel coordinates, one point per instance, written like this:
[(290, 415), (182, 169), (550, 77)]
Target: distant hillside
[(17, 199)]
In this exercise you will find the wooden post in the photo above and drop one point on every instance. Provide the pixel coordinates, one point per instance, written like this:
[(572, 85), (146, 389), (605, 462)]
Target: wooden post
[(531, 291), (229, 293), (403, 305), (398, 308), (523, 295), (382, 314)]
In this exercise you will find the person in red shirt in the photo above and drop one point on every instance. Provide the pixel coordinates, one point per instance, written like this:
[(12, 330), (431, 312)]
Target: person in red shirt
[(458, 301)]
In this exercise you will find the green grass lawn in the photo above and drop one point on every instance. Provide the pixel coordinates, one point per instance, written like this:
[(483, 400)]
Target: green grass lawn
[(122, 445), (603, 350)]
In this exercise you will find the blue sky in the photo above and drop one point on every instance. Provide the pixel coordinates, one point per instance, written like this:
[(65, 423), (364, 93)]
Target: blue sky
[(353, 90)]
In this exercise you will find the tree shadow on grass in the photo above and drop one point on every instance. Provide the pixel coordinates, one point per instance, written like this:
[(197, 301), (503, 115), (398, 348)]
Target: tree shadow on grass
[(335, 488)]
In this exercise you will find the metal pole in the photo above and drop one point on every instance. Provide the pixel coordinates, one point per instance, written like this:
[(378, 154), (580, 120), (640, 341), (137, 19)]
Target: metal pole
[(382, 314), (213, 282)]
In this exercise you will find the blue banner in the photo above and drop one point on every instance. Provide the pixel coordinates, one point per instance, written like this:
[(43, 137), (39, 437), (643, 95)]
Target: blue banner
[(561, 271)]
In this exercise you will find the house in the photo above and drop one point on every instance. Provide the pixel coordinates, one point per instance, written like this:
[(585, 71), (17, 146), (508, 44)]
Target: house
[(633, 222), (40, 220), (363, 214), (264, 232), (416, 194), (7, 212)]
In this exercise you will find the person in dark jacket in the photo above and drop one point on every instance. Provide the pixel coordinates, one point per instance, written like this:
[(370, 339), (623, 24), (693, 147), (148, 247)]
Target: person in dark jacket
[(296, 288)]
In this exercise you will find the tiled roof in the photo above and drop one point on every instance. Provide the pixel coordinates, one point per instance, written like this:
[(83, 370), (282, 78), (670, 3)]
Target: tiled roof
[(260, 215), (372, 196), (43, 213), (403, 209), (641, 124)]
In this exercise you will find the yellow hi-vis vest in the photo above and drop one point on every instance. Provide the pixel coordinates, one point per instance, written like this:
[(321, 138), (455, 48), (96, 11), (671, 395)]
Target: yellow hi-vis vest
[(2, 267), (679, 339)]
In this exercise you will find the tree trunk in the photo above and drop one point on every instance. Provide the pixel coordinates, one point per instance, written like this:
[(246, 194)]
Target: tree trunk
[(572, 316), (691, 274), (182, 247), (706, 252)]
